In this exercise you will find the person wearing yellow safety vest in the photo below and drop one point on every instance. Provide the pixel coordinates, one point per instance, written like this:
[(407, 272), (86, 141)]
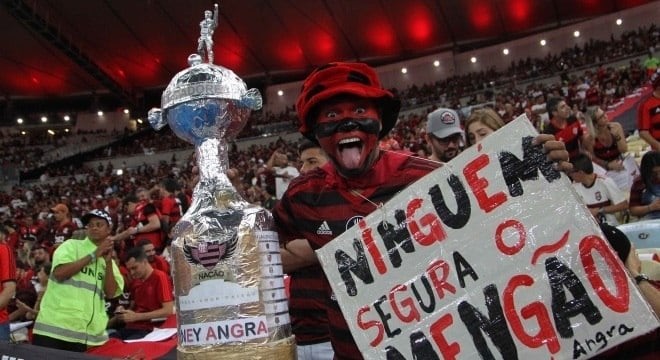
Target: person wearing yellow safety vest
[(72, 315)]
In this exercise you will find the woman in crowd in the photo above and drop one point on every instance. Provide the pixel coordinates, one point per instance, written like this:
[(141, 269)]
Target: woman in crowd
[(481, 123), (609, 147), (645, 192)]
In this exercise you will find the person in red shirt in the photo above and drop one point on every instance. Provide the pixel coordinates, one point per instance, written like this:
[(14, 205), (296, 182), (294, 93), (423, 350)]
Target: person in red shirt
[(565, 127), (13, 236), (648, 115), (63, 227), (145, 221), (171, 208), (32, 231), (344, 108), (7, 282), (153, 299)]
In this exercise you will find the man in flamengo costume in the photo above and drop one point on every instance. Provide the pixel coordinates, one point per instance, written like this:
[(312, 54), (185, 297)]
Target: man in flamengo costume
[(343, 107)]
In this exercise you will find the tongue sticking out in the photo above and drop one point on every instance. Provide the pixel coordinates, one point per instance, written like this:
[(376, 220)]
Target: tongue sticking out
[(350, 157)]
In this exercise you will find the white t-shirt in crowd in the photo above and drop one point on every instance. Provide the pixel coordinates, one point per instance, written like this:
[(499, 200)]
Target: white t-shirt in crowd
[(603, 192), (281, 183)]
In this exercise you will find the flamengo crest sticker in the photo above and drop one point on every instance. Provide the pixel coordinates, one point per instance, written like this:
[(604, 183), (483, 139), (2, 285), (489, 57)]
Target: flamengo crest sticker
[(208, 254)]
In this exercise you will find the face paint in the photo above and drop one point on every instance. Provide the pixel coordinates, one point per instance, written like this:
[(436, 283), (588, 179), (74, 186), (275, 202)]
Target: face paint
[(369, 126), (347, 130)]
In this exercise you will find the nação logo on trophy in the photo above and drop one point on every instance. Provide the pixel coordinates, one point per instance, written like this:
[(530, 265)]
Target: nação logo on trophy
[(208, 254)]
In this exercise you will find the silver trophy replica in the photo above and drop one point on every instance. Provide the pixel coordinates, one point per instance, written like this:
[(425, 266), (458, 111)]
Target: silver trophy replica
[(227, 269)]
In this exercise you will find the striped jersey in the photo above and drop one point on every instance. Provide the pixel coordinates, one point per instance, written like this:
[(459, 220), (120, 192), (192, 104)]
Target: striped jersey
[(648, 117), (319, 206)]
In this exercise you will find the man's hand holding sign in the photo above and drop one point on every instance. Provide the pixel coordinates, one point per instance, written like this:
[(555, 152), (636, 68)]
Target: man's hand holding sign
[(489, 255)]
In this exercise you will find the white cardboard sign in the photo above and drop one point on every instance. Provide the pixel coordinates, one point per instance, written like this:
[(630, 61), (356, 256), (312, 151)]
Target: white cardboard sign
[(491, 255)]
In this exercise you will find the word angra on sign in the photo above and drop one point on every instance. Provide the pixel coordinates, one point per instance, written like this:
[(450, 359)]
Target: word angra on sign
[(223, 331)]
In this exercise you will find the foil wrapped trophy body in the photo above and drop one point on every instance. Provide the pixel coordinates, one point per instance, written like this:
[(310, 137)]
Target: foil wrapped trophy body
[(228, 279)]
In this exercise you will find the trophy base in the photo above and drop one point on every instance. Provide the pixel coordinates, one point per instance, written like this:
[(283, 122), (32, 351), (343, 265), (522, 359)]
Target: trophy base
[(284, 349)]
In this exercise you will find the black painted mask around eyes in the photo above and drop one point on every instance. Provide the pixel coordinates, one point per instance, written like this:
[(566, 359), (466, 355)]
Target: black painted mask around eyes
[(369, 126)]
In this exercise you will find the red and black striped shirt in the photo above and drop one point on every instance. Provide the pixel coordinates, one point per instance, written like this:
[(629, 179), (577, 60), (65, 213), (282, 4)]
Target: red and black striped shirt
[(319, 206), (607, 153), (570, 135), (648, 116)]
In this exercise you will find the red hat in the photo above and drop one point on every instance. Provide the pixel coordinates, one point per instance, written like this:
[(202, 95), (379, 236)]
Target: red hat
[(341, 78)]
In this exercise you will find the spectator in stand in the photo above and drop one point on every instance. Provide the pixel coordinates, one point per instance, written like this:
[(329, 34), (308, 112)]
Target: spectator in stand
[(13, 237), (156, 261), (171, 208), (282, 170), (311, 156), (31, 230), (144, 223), (306, 307), (608, 148), (125, 298), (151, 294), (481, 123), (600, 194), (63, 227), (113, 210), (72, 315), (566, 127), (264, 187), (444, 134), (24, 275), (651, 64), (539, 108), (593, 95), (648, 118), (40, 256), (645, 191), (7, 282), (31, 312)]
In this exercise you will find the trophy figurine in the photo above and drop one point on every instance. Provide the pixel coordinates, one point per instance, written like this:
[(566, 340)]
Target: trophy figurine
[(228, 280)]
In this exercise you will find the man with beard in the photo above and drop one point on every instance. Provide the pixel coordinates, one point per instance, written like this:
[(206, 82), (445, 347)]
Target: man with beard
[(156, 261), (444, 134), (40, 256), (343, 107)]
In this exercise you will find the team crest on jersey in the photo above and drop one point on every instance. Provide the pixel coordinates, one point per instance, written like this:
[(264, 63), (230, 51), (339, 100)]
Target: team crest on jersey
[(208, 254), (598, 196), (353, 221)]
